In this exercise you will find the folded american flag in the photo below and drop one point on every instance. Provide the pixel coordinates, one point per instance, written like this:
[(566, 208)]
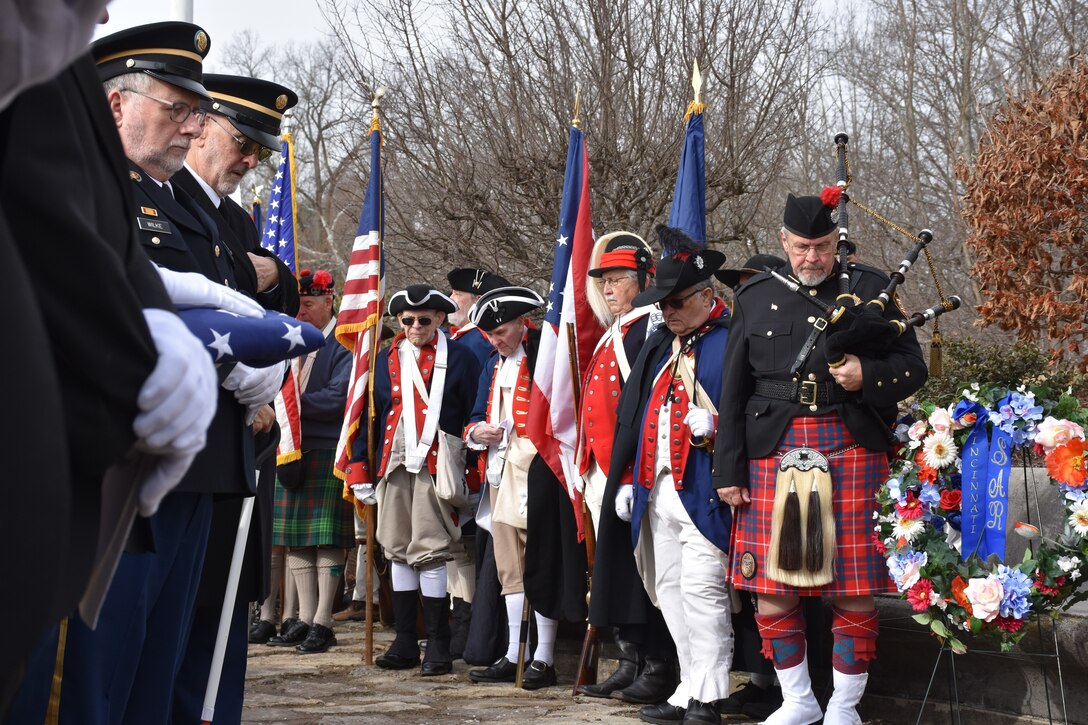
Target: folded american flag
[(254, 341)]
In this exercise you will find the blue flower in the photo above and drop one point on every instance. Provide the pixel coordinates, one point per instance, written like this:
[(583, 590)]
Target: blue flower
[(906, 567), (930, 495), (954, 520), (955, 480), (937, 522), (1017, 586)]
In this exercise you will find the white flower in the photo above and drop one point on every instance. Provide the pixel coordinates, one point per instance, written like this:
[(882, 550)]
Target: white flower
[(917, 430), (1075, 574), (941, 603), (940, 450), (985, 596), (1078, 517), (954, 539), (908, 528), (1068, 563), (941, 420), (876, 516)]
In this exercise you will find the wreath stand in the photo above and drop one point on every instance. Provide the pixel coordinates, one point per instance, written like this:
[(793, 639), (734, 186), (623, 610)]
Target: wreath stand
[(1043, 659)]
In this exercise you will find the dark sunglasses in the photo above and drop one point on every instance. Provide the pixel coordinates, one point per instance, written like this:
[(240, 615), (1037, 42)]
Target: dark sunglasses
[(409, 321), (676, 303), (247, 146)]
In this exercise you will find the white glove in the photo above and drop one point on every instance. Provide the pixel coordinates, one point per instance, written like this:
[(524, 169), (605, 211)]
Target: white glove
[(365, 493), (625, 499), (700, 422), (167, 473), (189, 289), (254, 387), (177, 401)]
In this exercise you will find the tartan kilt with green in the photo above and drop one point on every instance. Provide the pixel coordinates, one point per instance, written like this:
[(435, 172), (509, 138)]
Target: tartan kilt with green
[(314, 514)]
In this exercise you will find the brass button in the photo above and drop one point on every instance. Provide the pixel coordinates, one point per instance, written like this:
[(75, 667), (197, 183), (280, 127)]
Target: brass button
[(769, 333), (811, 319), (812, 376), (813, 408), (217, 250), (226, 282), (156, 240), (895, 380), (880, 383), (812, 293), (907, 373)]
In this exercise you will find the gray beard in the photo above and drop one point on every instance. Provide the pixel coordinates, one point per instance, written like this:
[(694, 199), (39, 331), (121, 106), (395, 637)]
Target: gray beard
[(812, 279)]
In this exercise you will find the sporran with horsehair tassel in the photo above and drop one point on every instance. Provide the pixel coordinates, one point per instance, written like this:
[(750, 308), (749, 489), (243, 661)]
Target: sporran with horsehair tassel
[(802, 550)]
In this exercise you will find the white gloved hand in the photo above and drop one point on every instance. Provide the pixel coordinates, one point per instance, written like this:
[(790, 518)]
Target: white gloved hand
[(700, 422), (167, 473), (365, 493), (189, 289), (177, 401), (254, 387), (625, 499)]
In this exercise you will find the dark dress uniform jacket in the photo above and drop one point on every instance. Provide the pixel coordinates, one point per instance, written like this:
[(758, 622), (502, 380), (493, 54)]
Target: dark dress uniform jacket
[(770, 326), (240, 236), (78, 280), (179, 235)]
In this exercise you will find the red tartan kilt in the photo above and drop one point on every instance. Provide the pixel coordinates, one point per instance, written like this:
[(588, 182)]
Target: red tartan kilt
[(856, 476)]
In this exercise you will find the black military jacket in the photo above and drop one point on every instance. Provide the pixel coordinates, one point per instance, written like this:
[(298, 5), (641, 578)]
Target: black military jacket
[(770, 326)]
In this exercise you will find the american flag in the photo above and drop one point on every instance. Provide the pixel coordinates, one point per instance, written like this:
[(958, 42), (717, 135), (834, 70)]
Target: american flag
[(689, 197), (256, 215), (358, 326), (553, 425), (279, 227)]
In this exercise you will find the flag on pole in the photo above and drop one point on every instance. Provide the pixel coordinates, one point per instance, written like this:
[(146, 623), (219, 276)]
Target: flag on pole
[(279, 228), (257, 215), (358, 326), (689, 196), (287, 415), (570, 329)]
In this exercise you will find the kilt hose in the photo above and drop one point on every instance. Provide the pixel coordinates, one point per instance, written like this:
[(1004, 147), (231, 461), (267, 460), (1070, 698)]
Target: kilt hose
[(314, 514), (856, 475)]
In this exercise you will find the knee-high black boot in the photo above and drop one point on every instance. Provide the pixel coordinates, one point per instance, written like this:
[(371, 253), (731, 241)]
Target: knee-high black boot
[(404, 652), (436, 615)]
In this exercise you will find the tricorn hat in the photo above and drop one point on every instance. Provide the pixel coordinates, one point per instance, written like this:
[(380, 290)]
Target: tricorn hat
[(474, 281), (688, 265), (755, 265), (315, 284), (254, 106), (501, 305), (807, 217), (420, 297), (172, 52)]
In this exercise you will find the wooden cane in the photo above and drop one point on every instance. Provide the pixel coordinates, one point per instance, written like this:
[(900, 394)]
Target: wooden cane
[(523, 639)]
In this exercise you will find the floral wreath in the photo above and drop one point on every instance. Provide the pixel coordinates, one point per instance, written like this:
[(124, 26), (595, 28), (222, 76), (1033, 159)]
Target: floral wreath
[(931, 505)]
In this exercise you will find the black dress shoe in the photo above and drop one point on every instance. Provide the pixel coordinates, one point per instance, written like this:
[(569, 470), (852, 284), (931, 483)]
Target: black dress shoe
[(319, 639), (762, 709), (503, 670), (261, 632), (537, 675), (701, 713), (393, 661), (292, 633), (663, 714)]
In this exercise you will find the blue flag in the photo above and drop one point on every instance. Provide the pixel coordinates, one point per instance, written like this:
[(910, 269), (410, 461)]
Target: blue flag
[(689, 197), (279, 228), (255, 341), (257, 216)]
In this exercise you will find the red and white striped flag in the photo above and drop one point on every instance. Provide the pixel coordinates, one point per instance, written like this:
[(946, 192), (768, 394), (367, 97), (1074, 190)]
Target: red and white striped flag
[(287, 415), (358, 326)]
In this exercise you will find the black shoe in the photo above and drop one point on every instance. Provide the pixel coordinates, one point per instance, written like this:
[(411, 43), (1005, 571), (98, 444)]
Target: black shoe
[(503, 670), (261, 632), (762, 709), (624, 676), (403, 654), (663, 714), (537, 675), (701, 713), (292, 633), (436, 616), (747, 694), (653, 685), (319, 639)]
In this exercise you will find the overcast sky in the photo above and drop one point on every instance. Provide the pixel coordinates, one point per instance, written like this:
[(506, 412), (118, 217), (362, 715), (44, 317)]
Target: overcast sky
[(274, 21)]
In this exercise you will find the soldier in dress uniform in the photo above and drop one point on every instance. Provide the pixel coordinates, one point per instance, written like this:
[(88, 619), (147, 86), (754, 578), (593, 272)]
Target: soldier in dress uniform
[(799, 427), (242, 129), (666, 432), (623, 267), (424, 389), (474, 582)]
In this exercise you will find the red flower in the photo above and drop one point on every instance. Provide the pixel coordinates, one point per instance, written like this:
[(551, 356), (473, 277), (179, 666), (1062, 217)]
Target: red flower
[(1009, 624), (830, 195), (951, 500), (911, 509), (879, 543), (926, 474), (1043, 588), (958, 585), (1066, 463), (918, 595)]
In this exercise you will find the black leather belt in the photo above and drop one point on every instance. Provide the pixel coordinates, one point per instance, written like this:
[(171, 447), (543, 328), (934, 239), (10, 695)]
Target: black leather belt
[(806, 392)]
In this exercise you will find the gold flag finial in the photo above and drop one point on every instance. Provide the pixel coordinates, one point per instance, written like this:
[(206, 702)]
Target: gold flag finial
[(577, 108), (696, 80), (376, 102)]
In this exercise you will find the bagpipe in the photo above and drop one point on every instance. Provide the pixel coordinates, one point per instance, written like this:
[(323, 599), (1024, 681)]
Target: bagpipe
[(860, 328)]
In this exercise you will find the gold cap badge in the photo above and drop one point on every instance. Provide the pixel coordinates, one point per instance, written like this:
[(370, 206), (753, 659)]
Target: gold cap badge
[(281, 102), (201, 41)]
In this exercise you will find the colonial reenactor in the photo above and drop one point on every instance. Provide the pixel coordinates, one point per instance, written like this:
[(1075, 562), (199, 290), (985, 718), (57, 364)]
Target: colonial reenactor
[(623, 266), (498, 430), (242, 129), (805, 432), (424, 389), (666, 432), (473, 580), (310, 517)]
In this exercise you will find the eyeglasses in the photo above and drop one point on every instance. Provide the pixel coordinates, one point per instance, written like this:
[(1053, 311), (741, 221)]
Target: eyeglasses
[(247, 146), (677, 303), (614, 282), (179, 111), (423, 321), (821, 250)]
